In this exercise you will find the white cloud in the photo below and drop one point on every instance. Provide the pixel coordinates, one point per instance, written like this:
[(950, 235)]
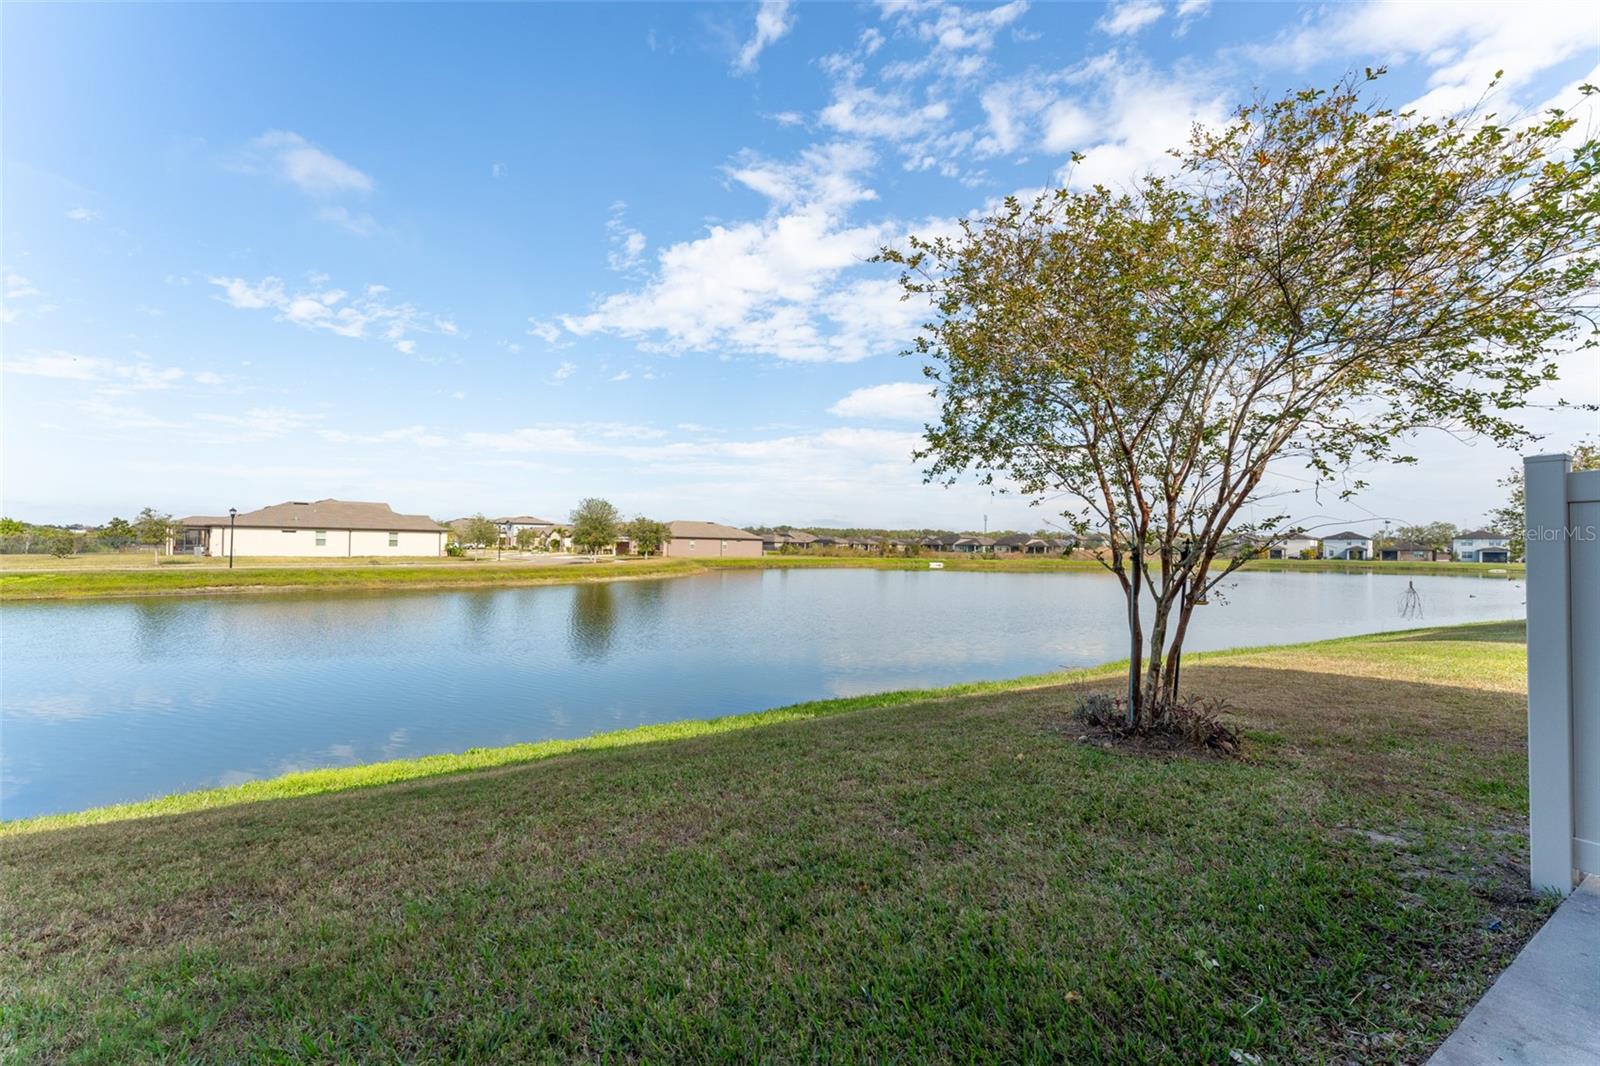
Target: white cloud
[(773, 21), (621, 375), (902, 401), (361, 317), (776, 286), (549, 332), (69, 366), (104, 414), (627, 243), (255, 424), (83, 214), (1130, 16), (953, 27), (563, 372), (417, 435), (18, 289), (1124, 115), (308, 167), (360, 223), (1462, 44)]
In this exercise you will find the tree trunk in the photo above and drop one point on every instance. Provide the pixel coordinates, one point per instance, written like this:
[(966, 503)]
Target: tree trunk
[(1135, 643), (1175, 654), (1154, 684)]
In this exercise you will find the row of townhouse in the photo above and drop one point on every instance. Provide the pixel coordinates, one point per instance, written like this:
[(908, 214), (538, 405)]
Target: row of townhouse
[(1483, 546), (1475, 546), (799, 540)]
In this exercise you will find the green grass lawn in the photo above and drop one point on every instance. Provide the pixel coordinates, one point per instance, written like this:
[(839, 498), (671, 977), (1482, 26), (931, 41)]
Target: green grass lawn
[(83, 577), (83, 583), (946, 876)]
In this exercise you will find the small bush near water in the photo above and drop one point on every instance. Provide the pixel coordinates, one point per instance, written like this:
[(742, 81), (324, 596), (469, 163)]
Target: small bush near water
[(1193, 720)]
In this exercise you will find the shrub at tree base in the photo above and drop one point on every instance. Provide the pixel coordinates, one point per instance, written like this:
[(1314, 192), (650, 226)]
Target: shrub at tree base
[(1190, 721)]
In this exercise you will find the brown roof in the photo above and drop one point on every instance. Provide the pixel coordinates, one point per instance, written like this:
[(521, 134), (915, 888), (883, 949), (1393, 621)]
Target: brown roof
[(708, 531), (324, 514), (1481, 534), (1347, 535), (523, 520)]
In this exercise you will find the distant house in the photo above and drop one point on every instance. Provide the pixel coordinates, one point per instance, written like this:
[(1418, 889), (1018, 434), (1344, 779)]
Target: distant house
[(1021, 544), (302, 528), (1407, 552), (1347, 545), (939, 542), (511, 525), (1292, 546), (793, 539), (1481, 546), (700, 540), (973, 545)]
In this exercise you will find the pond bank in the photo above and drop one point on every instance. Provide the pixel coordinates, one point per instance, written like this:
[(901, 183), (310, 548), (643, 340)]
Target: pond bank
[(182, 580), (944, 874)]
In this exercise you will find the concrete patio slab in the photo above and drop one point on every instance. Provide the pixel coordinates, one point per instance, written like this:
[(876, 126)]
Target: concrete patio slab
[(1545, 1009)]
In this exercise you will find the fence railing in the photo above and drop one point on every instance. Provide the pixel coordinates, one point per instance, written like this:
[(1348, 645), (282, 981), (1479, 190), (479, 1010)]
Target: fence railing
[(1563, 586)]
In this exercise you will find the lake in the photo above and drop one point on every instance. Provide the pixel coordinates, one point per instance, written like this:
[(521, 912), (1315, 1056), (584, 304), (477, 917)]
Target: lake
[(117, 700)]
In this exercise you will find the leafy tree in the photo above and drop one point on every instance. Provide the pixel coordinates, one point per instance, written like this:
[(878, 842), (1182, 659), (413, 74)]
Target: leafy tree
[(60, 543), (153, 527), (1321, 279), (1510, 520), (648, 536), (480, 532), (527, 538), (117, 533), (595, 523), (10, 527), (1432, 535)]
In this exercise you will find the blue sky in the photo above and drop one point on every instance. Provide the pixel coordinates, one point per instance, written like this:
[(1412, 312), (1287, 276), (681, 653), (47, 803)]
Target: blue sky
[(500, 257)]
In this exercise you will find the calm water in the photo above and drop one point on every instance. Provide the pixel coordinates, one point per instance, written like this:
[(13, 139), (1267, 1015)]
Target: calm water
[(126, 699)]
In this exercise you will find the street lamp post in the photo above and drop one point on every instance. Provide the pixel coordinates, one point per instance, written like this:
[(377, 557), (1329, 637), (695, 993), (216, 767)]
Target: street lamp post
[(233, 517)]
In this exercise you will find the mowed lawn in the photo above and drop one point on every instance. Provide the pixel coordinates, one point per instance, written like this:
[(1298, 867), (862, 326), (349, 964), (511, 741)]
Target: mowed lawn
[(946, 879)]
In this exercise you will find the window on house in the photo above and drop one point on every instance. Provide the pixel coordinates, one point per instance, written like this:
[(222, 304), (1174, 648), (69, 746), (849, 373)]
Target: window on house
[(322, 538), (394, 540), (289, 531)]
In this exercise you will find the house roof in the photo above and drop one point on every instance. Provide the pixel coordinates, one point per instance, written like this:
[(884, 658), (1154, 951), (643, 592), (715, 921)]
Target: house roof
[(324, 514), (708, 531), (1348, 535), (523, 520), (1408, 546), (1481, 534)]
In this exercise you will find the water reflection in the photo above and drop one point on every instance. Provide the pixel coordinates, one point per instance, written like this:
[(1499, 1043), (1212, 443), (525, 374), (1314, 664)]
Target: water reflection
[(120, 700), (592, 625)]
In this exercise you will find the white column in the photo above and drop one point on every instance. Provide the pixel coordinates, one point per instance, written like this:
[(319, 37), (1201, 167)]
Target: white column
[(1549, 672)]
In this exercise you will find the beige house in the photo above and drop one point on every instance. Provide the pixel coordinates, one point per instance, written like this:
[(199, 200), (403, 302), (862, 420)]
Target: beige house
[(303, 529), (701, 540)]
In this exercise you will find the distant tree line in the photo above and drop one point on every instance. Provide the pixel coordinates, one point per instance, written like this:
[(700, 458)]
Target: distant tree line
[(150, 529)]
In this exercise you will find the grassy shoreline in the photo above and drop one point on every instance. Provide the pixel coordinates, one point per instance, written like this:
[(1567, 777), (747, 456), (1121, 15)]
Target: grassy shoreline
[(368, 775), (35, 585), (103, 582), (949, 875)]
